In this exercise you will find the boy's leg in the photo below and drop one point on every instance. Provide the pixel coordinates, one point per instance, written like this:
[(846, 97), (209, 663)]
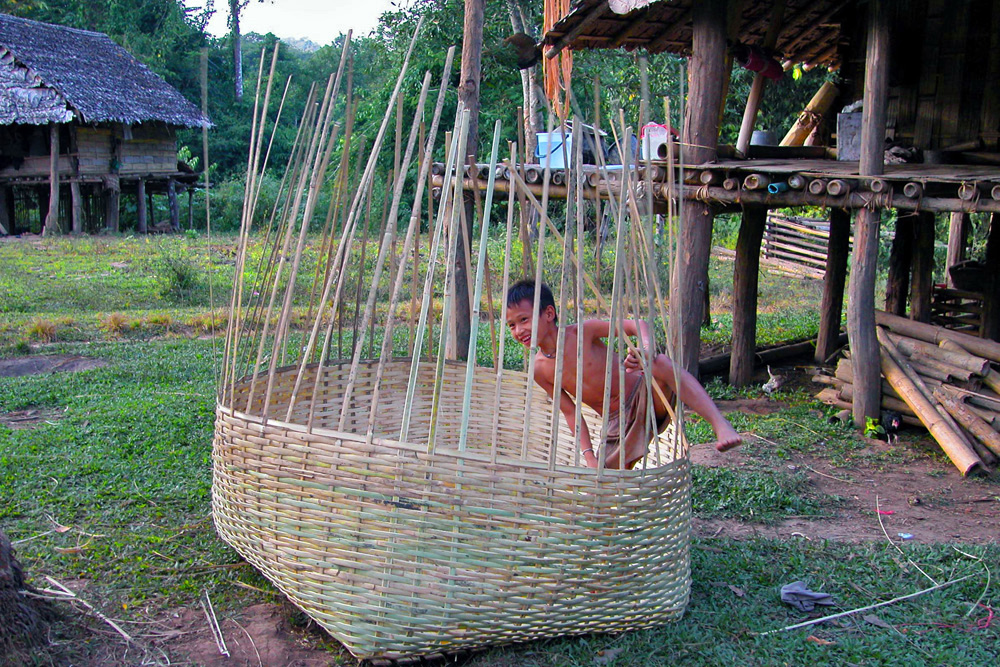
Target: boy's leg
[(693, 395)]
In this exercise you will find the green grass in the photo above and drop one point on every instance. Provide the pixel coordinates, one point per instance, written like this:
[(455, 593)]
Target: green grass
[(122, 459), (721, 627)]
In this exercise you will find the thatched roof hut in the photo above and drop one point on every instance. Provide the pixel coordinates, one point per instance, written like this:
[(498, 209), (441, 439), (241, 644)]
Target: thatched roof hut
[(48, 70), (78, 109)]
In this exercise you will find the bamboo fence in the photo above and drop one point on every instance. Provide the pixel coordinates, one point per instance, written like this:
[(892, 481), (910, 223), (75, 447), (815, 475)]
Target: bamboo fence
[(410, 503)]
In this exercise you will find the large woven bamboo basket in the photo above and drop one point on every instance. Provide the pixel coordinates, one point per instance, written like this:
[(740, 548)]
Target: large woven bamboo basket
[(400, 552)]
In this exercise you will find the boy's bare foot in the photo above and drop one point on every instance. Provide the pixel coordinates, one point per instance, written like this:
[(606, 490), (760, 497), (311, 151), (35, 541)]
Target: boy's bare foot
[(726, 437)]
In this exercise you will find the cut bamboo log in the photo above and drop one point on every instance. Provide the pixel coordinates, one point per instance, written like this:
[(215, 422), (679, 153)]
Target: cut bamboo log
[(811, 116), (903, 379), (990, 377), (933, 334), (981, 430)]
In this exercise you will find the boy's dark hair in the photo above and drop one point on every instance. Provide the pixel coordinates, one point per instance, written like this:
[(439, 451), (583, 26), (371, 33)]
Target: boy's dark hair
[(525, 289)]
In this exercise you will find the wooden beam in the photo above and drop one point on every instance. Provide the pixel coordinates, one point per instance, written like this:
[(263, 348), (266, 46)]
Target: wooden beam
[(958, 239), (51, 224), (991, 293), (759, 81), (922, 277), (897, 285), (112, 197), (865, 355), (175, 212), (832, 303), (701, 138), (142, 219), (76, 200), (5, 223), (745, 272), (595, 13)]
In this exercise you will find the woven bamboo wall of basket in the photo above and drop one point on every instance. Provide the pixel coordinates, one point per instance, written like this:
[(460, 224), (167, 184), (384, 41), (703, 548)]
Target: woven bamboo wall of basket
[(412, 504)]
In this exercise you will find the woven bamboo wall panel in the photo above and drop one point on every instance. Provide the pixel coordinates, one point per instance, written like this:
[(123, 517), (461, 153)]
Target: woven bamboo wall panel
[(397, 552)]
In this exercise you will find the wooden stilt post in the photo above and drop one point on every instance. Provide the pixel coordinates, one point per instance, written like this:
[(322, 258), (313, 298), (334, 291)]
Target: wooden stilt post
[(112, 197), (922, 279), (832, 304), (897, 285), (745, 296), (865, 353), (190, 194), (991, 296), (76, 200), (468, 94), (701, 136), (175, 212), (51, 225), (140, 205), (958, 239), (6, 226)]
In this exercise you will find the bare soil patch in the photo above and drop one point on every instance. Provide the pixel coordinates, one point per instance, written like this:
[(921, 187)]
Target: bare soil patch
[(924, 497), (49, 363), (30, 418), (260, 635)]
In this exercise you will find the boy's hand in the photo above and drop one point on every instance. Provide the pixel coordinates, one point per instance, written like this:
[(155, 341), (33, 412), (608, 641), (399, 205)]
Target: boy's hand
[(632, 363)]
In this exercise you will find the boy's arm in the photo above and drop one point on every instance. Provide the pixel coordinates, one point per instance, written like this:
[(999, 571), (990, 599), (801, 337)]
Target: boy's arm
[(594, 329), (567, 406)]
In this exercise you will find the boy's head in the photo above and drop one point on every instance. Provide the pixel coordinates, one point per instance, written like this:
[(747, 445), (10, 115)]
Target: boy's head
[(521, 300)]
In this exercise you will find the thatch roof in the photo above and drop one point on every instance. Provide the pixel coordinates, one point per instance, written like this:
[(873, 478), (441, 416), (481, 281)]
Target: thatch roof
[(89, 74), (810, 30)]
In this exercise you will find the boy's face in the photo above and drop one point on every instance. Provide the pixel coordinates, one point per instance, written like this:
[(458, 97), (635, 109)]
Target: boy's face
[(519, 320)]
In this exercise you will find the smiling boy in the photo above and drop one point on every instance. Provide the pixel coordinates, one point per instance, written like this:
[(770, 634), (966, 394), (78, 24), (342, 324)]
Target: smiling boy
[(629, 427)]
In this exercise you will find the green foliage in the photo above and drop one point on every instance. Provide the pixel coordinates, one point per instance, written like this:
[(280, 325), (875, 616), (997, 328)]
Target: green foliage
[(180, 277), (873, 428)]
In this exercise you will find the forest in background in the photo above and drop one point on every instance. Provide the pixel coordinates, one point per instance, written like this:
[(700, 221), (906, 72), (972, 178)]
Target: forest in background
[(168, 37)]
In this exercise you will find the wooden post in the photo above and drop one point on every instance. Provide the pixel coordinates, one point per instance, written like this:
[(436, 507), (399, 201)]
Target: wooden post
[(958, 239), (468, 94), (51, 225), (991, 293), (745, 295), (142, 220), (832, 304), (150, 209), (701, 135), (759, 81), (865, 354), (190, 194), (175, 211), (112, 197), (5, 222), (922, 279), (77, 206), (897, 284)]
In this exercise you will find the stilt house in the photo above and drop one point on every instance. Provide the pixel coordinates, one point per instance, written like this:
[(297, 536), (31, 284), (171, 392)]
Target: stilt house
[(926, 73), (81, 122)]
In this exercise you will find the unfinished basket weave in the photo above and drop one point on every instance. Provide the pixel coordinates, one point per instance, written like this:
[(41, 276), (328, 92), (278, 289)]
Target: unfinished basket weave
[(397, 552), (419, 506)]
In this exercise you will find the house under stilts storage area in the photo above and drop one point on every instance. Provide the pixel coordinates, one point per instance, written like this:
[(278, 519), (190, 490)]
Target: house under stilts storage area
[(81, 123), (925, 73)]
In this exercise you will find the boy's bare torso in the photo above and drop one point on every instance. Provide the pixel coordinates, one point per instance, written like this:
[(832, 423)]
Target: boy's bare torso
[(594, 369)]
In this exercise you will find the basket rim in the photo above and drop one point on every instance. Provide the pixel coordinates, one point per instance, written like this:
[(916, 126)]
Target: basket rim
[(451, 453)]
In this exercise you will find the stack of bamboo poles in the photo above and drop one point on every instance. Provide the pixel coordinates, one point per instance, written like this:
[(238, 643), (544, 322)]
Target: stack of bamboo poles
[(410, 501), (937, 378)]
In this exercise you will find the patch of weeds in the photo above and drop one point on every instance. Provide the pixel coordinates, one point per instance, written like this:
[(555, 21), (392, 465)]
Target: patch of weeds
[(750, 496), (180, 277), (42, 329), (114, 324), (19, 349)]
